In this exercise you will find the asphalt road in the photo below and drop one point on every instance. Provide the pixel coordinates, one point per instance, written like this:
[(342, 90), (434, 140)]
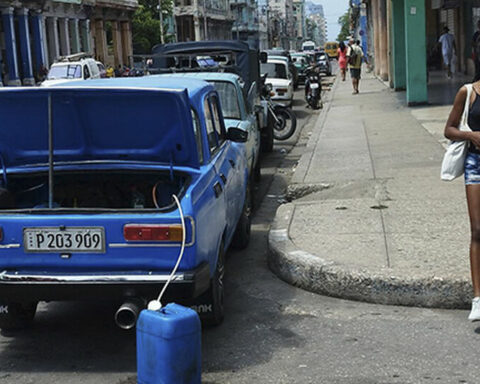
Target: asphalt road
[(272, 333)]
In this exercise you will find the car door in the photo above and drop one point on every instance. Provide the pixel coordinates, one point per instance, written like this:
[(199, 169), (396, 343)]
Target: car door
[(228, 163)]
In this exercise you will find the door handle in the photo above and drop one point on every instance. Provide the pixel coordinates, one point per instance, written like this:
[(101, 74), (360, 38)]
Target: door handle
[(232, 163), (217, 188), (224, 179)]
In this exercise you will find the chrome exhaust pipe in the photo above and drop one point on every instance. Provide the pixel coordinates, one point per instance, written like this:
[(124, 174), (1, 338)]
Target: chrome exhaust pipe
[(127, 315)]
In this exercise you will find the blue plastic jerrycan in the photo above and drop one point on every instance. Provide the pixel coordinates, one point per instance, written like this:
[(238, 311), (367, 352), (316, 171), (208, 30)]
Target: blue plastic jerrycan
[(169, 346)]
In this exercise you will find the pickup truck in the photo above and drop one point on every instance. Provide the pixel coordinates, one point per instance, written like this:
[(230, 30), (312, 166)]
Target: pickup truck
[(87, 211)]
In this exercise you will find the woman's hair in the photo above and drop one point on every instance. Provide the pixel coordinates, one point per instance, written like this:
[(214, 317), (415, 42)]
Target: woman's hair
[(342, 46)]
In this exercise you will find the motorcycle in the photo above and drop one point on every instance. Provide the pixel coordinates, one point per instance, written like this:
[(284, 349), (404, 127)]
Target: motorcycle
[(280, 116), (313, 88)]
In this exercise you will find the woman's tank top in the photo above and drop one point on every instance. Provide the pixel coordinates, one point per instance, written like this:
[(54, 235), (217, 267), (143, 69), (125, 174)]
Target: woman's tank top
[(474, 120)]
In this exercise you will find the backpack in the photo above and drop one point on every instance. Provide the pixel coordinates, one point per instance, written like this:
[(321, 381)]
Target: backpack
[(353, 56)]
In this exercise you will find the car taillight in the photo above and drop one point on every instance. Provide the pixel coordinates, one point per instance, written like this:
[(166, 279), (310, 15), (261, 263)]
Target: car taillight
[(152, 232)]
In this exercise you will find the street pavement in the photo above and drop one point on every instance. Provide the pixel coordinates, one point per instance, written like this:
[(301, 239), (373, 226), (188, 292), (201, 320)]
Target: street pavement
[(369, 217)]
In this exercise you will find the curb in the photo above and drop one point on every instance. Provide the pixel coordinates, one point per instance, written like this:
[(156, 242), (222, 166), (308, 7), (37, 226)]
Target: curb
[(375, 285)]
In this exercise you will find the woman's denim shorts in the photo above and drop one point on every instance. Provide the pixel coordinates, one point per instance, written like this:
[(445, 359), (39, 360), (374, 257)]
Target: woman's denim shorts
[(472, 168)]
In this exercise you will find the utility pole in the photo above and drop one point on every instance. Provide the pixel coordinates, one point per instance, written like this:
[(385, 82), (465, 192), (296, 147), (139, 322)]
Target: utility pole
[(205, 19), (160, 14)]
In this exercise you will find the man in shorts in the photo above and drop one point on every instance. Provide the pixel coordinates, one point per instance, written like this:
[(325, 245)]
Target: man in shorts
[(354, 58), (447, 42)]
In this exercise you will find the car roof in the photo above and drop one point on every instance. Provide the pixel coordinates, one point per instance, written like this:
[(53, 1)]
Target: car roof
[(194, 87), (277, 61)]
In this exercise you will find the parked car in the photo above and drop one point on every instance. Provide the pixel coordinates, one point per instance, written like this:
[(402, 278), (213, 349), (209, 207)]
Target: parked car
[(79, 66), (302, 62), (238, 111), (232, 56), (291, 66), (324, 64), (92, 215), (278, 74)]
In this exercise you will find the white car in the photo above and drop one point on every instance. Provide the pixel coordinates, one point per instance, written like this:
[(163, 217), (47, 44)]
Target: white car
[(70, 68), (279, 75)]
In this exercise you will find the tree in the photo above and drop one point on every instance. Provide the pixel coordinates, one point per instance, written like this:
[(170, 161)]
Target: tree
[(146, 24), (344, 22)]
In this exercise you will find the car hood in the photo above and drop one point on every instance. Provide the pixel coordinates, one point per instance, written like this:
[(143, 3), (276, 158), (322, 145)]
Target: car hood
[(96, 124), (279, 82)]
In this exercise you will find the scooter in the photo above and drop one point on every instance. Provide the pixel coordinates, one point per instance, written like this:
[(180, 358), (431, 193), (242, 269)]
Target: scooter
[(313, 88), (283, 119)]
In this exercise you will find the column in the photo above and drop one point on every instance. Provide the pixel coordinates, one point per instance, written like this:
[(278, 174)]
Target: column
[(86, 38), (118, 55), (10, 47), (416, 52), (100, 41), (127, 44), (25, 50), (64, 37), (45, 45), (376, 37), (74, 36), (53, 40), (383, 42), (398, 44), (39, 43)]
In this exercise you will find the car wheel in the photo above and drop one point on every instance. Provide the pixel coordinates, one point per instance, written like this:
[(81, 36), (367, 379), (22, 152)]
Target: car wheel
[(15, 316), (216, 293), (241, 238)]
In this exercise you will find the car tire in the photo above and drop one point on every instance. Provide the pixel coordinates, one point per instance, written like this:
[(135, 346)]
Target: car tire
[(15, 316), (215, 296), (257, 172), (241, 238)]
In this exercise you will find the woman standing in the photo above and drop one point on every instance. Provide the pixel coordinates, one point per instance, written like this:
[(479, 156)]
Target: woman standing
[(342, 59), (469, 97)]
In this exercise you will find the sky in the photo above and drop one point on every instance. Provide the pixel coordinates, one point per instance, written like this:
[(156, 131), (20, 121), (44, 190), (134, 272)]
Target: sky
[(333, 10)]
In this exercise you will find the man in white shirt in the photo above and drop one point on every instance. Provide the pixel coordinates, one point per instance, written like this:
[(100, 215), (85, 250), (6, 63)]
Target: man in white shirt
[(447, 40)]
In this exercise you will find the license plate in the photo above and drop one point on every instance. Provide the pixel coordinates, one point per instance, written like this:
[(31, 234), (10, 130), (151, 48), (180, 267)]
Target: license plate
[(314, 85), (66, 239)]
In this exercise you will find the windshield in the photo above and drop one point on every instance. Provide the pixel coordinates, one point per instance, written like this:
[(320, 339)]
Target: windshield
[(277, 71), (308, 47), (67, 71), (228, 99)]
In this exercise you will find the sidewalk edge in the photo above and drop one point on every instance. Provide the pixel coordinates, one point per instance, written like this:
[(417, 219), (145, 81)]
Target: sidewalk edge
[(380, 286)]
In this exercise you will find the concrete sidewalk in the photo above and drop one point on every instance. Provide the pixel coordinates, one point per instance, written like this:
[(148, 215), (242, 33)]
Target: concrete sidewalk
[(370, 218)]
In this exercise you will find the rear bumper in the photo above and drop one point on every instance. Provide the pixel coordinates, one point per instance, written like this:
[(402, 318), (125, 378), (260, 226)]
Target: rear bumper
[(16, 286)]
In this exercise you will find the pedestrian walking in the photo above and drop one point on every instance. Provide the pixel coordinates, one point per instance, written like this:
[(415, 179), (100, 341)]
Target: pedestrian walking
[(342, 59), (447, 41), (476, 51), (355, 57), (469, 97)]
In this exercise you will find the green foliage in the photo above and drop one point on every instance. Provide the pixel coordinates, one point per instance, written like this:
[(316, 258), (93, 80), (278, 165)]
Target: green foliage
[(344, 22), (146, 25)]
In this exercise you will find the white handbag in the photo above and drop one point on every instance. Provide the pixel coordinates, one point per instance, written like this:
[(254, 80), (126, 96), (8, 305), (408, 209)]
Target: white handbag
[(453, 164)]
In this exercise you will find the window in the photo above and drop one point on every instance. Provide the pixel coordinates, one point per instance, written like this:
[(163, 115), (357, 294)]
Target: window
[(86, 72), (220, 131), (274, 70), (198, 135), (211, 135), (67, 71), (228, 98)]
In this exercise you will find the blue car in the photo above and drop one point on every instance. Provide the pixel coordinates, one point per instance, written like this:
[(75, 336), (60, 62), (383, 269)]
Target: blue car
[(89, 176)]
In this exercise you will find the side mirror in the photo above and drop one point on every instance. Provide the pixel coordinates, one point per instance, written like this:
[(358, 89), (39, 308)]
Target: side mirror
[(237, 135)]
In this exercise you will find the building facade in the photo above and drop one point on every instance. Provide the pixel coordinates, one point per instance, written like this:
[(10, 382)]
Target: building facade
[(402, 40), (282, 26), (198, 20), (246, 22), (299, 18), (35, 33)]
